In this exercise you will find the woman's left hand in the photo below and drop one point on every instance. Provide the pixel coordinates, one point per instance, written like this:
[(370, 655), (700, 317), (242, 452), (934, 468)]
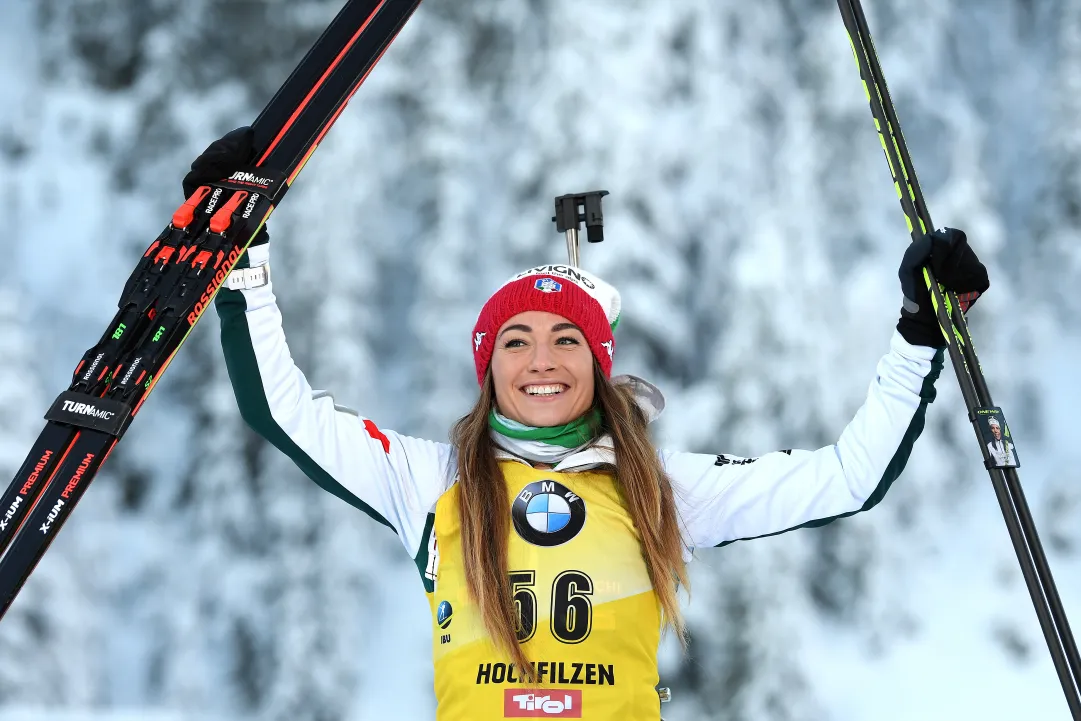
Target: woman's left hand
[(955, 267)]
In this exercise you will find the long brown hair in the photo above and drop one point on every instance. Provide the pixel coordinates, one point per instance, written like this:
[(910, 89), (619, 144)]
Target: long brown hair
[(484, 520)]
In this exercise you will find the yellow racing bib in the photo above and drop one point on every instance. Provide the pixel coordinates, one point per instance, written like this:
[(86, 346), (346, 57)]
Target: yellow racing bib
[(588, 617)]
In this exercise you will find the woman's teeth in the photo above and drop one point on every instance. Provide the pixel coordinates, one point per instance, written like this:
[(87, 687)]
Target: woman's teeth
[(543, 390)]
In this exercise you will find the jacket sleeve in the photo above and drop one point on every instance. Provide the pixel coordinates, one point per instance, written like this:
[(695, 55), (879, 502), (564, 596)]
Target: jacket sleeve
[(393, 478), (721, 499)]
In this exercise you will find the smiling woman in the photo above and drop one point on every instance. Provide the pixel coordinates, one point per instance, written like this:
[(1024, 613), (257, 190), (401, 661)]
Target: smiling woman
[(542, 369), (551, 536), (543, 349)]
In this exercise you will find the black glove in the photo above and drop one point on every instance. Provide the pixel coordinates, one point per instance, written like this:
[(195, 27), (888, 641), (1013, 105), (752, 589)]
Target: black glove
[(954, 265), (222, 158)]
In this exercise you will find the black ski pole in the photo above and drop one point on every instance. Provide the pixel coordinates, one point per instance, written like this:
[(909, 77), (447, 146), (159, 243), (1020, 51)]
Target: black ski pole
[(987, 419)]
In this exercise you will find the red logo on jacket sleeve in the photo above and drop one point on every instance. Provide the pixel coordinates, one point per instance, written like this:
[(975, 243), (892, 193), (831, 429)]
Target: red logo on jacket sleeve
[(545, 703), (374, 432)]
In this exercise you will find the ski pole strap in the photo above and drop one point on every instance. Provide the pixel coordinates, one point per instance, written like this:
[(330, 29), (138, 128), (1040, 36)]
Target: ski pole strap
[(248, 278)]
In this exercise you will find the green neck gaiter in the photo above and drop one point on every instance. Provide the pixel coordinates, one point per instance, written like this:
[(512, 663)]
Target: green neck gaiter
[(571, 435)]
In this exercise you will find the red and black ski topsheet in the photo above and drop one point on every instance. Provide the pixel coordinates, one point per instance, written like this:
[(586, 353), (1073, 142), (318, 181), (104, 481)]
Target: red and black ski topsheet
[(174, 282)]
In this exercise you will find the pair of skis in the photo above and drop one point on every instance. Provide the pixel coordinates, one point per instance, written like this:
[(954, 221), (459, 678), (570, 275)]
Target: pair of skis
[(175, 282), (983, 414)]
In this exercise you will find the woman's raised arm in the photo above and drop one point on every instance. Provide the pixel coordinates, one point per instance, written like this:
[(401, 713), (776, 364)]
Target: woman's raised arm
[(723, 499), (395, 479)]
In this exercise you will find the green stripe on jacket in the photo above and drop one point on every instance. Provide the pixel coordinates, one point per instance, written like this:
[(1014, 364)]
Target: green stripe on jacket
[(254, 408)]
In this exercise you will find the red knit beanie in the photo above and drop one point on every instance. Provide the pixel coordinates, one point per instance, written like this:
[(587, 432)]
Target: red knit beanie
[(580, 297)]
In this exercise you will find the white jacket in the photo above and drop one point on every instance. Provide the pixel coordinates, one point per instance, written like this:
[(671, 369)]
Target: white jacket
[(397, 479)]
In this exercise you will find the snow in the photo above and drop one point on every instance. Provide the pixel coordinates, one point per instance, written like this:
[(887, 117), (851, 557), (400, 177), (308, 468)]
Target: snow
[(754, 234)]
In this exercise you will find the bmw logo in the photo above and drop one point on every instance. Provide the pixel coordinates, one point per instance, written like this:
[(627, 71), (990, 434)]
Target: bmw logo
[(546, 513), (443, 614)]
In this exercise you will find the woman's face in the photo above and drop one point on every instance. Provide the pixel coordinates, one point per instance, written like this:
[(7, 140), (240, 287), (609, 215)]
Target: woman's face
[(543, 370)]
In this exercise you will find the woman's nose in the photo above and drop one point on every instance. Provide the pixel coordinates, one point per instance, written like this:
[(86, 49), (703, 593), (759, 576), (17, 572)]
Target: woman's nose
[(542, 359)]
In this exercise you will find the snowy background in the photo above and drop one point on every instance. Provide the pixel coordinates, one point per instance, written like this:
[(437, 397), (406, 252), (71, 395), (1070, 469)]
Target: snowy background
[(753, 230)]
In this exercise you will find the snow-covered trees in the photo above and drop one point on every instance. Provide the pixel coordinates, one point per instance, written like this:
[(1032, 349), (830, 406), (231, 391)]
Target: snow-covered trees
[(752, 229)]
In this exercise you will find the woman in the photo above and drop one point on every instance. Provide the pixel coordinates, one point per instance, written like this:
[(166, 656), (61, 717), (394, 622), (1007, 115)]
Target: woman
[(551, 536)]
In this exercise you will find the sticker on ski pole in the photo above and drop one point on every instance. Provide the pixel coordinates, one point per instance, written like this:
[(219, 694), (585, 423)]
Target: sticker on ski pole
[(999, 449)]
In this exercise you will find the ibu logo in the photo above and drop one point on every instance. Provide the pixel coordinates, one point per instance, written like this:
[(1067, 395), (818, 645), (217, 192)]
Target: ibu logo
[(547, 513), (443, 614), (548, 285)]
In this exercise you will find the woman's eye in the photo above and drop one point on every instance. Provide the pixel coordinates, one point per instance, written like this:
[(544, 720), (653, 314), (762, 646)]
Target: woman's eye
[(565, 340), (514, 343)]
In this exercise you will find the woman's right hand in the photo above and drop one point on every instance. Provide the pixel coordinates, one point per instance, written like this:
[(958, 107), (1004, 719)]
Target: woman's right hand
[(222, 158)]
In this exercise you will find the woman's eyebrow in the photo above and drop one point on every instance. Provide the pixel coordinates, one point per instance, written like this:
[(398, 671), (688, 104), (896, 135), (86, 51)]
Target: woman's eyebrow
[(517, 326), (565, 326)]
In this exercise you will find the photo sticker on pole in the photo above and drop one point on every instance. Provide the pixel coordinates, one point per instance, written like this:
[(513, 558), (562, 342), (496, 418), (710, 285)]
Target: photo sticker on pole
[(995, 436)]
